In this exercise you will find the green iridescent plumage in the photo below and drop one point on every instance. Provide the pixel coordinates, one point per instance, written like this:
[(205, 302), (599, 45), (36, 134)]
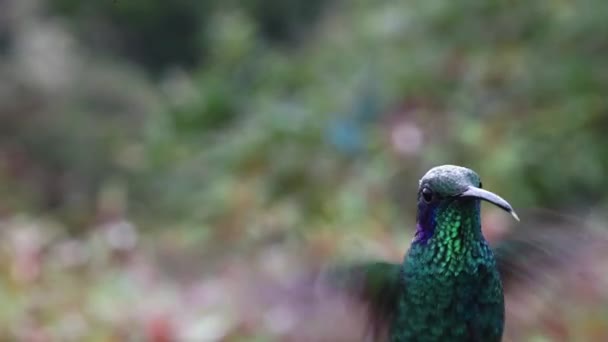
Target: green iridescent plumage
[(452, 285), (448, 287), (453, 290)]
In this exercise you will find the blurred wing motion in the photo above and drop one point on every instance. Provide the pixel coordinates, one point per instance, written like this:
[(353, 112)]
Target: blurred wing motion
[(543, 263), (553, 271), (375, 285)]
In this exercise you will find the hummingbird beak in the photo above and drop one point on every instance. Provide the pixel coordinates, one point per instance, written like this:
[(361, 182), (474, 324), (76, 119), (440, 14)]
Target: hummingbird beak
[(491, 197)]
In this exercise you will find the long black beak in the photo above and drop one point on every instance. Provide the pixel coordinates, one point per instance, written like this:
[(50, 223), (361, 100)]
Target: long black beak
[(490, 197)]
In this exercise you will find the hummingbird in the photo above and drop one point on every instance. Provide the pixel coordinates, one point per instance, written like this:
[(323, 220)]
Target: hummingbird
[(451, 283)]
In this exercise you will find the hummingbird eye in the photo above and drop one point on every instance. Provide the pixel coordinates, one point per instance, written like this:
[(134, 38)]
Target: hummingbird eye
[(427, 195)]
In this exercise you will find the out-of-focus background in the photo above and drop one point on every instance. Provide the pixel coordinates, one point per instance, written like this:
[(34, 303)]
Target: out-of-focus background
[(147, 148)]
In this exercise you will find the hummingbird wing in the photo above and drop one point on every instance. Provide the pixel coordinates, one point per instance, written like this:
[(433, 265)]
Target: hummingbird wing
[(544, 257), (375, 285)]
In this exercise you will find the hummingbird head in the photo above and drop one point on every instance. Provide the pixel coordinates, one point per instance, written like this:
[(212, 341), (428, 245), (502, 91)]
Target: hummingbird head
[(454, 191)]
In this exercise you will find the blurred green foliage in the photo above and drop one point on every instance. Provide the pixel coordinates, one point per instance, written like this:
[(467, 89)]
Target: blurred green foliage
[(512, 89), (217, 123), (160, 35)]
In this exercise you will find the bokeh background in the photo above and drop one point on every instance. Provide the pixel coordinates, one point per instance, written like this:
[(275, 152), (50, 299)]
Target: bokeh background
[(149, 148)]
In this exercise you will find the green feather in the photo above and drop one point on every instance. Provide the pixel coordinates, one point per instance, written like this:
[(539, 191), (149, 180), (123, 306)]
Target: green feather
[(450, 284)]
